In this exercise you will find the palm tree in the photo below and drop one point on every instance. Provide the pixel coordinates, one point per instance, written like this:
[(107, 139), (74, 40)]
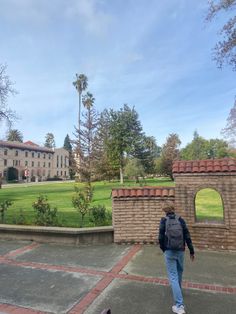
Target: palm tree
[(88, 100), (14, 135), (81, 84)]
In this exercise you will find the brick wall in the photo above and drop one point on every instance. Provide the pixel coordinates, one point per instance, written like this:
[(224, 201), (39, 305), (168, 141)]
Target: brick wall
[(216, 236), (137, 212)]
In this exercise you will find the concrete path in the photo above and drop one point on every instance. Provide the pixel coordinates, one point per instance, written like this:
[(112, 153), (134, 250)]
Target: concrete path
[(39, 278)]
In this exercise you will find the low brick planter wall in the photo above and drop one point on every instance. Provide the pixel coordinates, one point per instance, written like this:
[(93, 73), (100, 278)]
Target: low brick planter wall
[(74, 236)]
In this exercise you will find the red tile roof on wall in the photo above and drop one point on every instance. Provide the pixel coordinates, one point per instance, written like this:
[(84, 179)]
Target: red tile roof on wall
[(148, 191), (208, 165)]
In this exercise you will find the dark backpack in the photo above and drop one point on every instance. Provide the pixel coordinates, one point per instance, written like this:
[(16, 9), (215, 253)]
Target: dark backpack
[(174, 233)]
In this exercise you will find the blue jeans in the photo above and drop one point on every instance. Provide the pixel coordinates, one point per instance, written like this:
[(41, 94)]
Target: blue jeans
[(175, 266)]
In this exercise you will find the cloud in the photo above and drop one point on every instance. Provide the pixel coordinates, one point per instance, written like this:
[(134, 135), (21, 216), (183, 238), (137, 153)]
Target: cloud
[(91, 14), (25, 10)]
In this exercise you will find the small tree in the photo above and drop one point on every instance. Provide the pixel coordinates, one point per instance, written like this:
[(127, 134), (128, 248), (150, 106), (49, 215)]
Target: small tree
[(45, 216), (81, 201), (3, 208), (134, 169)]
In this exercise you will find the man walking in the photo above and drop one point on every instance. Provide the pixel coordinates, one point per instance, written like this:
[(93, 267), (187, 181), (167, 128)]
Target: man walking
[(173, 234)]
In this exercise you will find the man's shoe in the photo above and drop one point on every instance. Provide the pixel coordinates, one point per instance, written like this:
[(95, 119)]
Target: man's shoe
[(178, 310)]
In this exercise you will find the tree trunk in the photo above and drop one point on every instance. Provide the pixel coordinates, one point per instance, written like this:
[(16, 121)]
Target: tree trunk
[(121, 175)]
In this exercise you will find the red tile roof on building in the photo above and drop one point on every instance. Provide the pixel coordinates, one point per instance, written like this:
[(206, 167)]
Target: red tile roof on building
[(31, 143), (208, 165), (25, 146), (148, 191)]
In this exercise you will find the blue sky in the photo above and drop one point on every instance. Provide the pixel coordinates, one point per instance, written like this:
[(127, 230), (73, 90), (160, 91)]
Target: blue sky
[(154, 55)]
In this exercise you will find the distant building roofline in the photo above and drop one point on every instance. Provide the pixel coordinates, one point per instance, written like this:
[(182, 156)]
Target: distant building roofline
[(25, 146)]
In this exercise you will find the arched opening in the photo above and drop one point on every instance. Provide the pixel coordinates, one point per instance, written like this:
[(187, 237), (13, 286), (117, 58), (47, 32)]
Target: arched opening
[(12, 174), (209, 206)]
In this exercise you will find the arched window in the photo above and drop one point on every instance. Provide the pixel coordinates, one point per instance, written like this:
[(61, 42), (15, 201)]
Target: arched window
[(209, 206)]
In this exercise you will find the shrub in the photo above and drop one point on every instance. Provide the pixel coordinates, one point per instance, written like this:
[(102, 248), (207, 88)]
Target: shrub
[(3, 208), (99, 216), (45, 216), (20, 219)]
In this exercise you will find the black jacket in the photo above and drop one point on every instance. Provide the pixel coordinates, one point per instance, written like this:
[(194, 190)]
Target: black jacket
[(163, 239)]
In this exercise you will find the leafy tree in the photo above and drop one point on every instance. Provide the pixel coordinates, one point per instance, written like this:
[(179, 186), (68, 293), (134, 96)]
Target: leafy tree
[(72, 163), (225, 49), (170, 152), (217, 148), (67, 143), (147, 151), (6, 89), (124, 134), (134, 169), (197, 149), (15, 135), (49, 141), (201, 148), (229, 132)]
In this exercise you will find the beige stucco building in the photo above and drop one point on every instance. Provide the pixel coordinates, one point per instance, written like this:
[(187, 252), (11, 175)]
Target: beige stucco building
[(31, 162)]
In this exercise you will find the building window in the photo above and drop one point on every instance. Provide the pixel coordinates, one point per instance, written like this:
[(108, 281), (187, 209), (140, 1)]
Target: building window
[(16, 153), (57, 161), (44, 156), (65, 173), (49, 156), (5, 152), (38, 155), (32, 154), (5, 162), (26, 154), (57, 173), (61, 173), (32, 164), (44, 164), (49, 165), (26, 163)]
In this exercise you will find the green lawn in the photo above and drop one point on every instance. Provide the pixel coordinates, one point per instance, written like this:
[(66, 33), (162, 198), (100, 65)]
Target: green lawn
[(209, 206), (208, 201), (60, 195)]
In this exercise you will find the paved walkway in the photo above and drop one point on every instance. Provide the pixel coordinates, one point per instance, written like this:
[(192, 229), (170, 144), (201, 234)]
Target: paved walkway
[(39, 278)]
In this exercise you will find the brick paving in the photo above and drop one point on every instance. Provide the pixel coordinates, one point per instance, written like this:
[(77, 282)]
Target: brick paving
[(98, 280)]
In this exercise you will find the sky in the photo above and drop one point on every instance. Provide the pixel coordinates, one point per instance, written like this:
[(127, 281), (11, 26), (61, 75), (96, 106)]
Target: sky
[(155, 56)]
